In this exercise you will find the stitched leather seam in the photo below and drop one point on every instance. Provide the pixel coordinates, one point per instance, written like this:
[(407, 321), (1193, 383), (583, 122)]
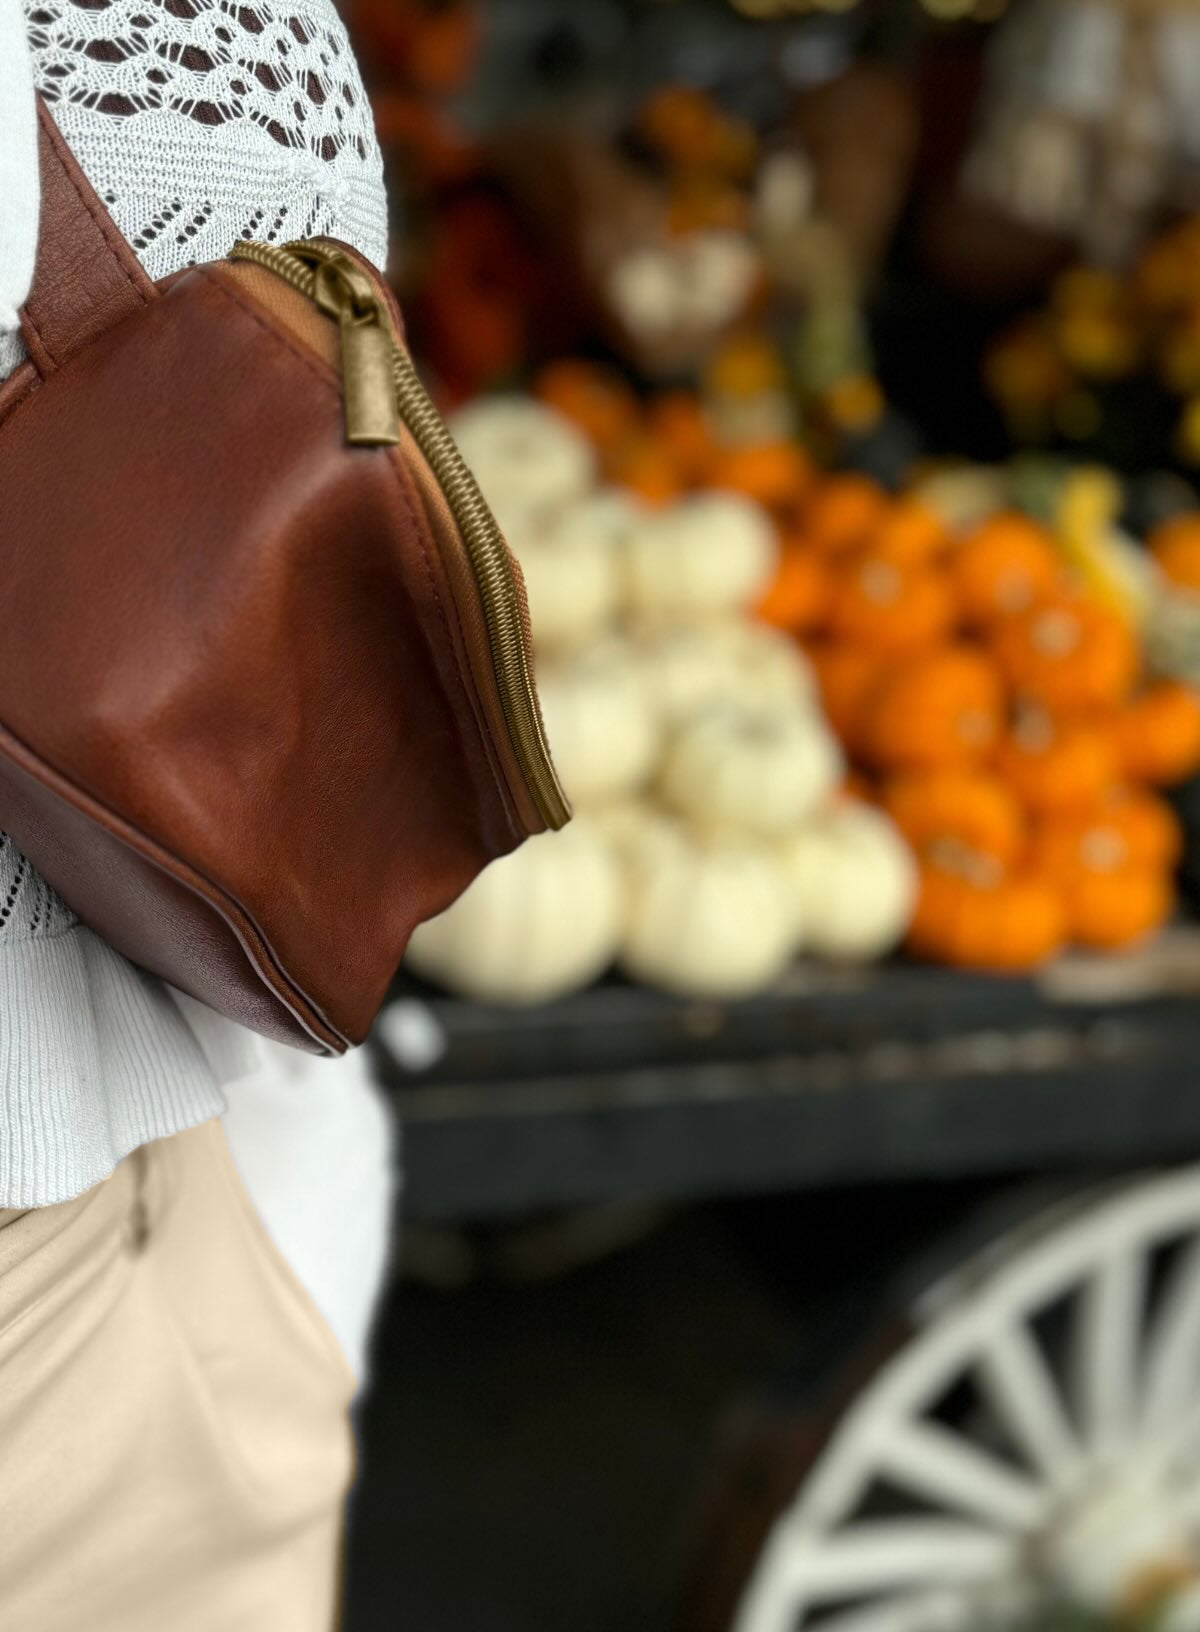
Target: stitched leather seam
[(29, 319), (73, 794), (22, 402), (79, 351), (322, 371), (113, 240), (328, 377), (56, 137)]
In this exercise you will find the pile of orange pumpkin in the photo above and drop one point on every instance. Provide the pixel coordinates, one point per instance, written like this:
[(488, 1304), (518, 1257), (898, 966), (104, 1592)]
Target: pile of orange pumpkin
[(995, 707), (999, 711), (669, 445)]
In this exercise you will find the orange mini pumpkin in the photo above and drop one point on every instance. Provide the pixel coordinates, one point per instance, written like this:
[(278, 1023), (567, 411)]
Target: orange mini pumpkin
[(644, 467), (937, 708), (1070, 654), (844, 511), (775, 474), (1107, 910), (1007, 565), (980, 917), (1129, 827), (846, 676), (677, 420), (1158, 734), (1112, 868), (960, 807), (890, 607), (910, 534), (692, 132), (595, 398), (1057, 765), (433, 45), (1175, 545), (799, 598)]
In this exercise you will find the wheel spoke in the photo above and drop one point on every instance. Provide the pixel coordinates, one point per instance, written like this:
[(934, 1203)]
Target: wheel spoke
[(1104, 1361), (920, 1612), (1175, 1456), (1183, 1615), (1019, 1387), (1115, 1407), (1172, 1373), (928, 1459), (882, 1555)]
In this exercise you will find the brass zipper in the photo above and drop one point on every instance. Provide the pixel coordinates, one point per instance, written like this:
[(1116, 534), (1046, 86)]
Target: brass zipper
[(382, 389)]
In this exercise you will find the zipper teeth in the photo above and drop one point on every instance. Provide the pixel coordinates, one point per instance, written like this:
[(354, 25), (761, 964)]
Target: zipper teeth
[(488, 552), (288, 267), (497, 584)]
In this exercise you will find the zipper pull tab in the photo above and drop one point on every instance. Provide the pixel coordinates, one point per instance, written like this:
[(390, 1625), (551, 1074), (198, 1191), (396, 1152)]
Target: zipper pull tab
[(372, 418), (344, 291)]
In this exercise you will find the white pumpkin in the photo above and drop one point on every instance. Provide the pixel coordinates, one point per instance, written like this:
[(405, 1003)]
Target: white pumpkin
[(755, 770), (853, 883), (724, 268), (606, 515), (602, 730), (707, 916), (524, 455), (684, 671), (538, 923), (691, 667), (571, 564), (700, 283), (710, 554), (630, 825), (764, 665)]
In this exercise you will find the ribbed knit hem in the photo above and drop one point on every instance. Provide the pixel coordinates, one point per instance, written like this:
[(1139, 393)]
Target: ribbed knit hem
[(96, 1059)]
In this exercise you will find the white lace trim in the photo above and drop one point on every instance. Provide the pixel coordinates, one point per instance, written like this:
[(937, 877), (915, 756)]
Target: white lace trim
[(29, 908), (203, 121)]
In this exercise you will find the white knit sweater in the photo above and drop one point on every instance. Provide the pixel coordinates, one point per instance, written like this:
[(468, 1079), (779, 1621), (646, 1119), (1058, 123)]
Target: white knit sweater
[(198, 122)]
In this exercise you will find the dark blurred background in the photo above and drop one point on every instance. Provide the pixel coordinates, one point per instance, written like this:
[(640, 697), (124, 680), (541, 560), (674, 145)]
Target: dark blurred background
[(834, 370)]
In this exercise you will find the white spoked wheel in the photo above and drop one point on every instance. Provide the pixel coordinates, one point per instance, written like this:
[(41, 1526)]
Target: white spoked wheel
[(1035, 1438)]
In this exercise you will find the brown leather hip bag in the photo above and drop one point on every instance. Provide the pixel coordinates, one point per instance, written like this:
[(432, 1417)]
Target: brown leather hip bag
[(266, 696)]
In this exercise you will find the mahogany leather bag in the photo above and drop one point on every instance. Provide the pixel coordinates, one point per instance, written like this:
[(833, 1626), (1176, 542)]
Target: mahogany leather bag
[(266, 695)]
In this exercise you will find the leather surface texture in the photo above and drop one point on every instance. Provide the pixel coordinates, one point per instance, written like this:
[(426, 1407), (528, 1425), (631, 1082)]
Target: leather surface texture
[(249, 726)]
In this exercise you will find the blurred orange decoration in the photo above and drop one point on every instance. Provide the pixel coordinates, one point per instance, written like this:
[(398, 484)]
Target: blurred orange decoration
[(993, 705), (1176, 547), (420, 53), (472, 311), (428, 45), (691, 133)]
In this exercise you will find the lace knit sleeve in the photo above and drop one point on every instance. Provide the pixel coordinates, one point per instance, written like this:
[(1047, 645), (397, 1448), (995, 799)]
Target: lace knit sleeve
[(203, 121), (200, 122)]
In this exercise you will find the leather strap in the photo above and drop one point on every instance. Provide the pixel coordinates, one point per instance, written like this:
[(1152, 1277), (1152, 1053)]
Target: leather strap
[(87, 277)]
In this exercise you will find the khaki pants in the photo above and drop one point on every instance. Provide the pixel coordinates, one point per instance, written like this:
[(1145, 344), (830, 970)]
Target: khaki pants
[(174, 1439)]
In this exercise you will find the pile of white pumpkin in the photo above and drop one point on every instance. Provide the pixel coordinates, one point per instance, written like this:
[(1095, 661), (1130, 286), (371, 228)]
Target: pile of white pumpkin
[(710, 844)]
